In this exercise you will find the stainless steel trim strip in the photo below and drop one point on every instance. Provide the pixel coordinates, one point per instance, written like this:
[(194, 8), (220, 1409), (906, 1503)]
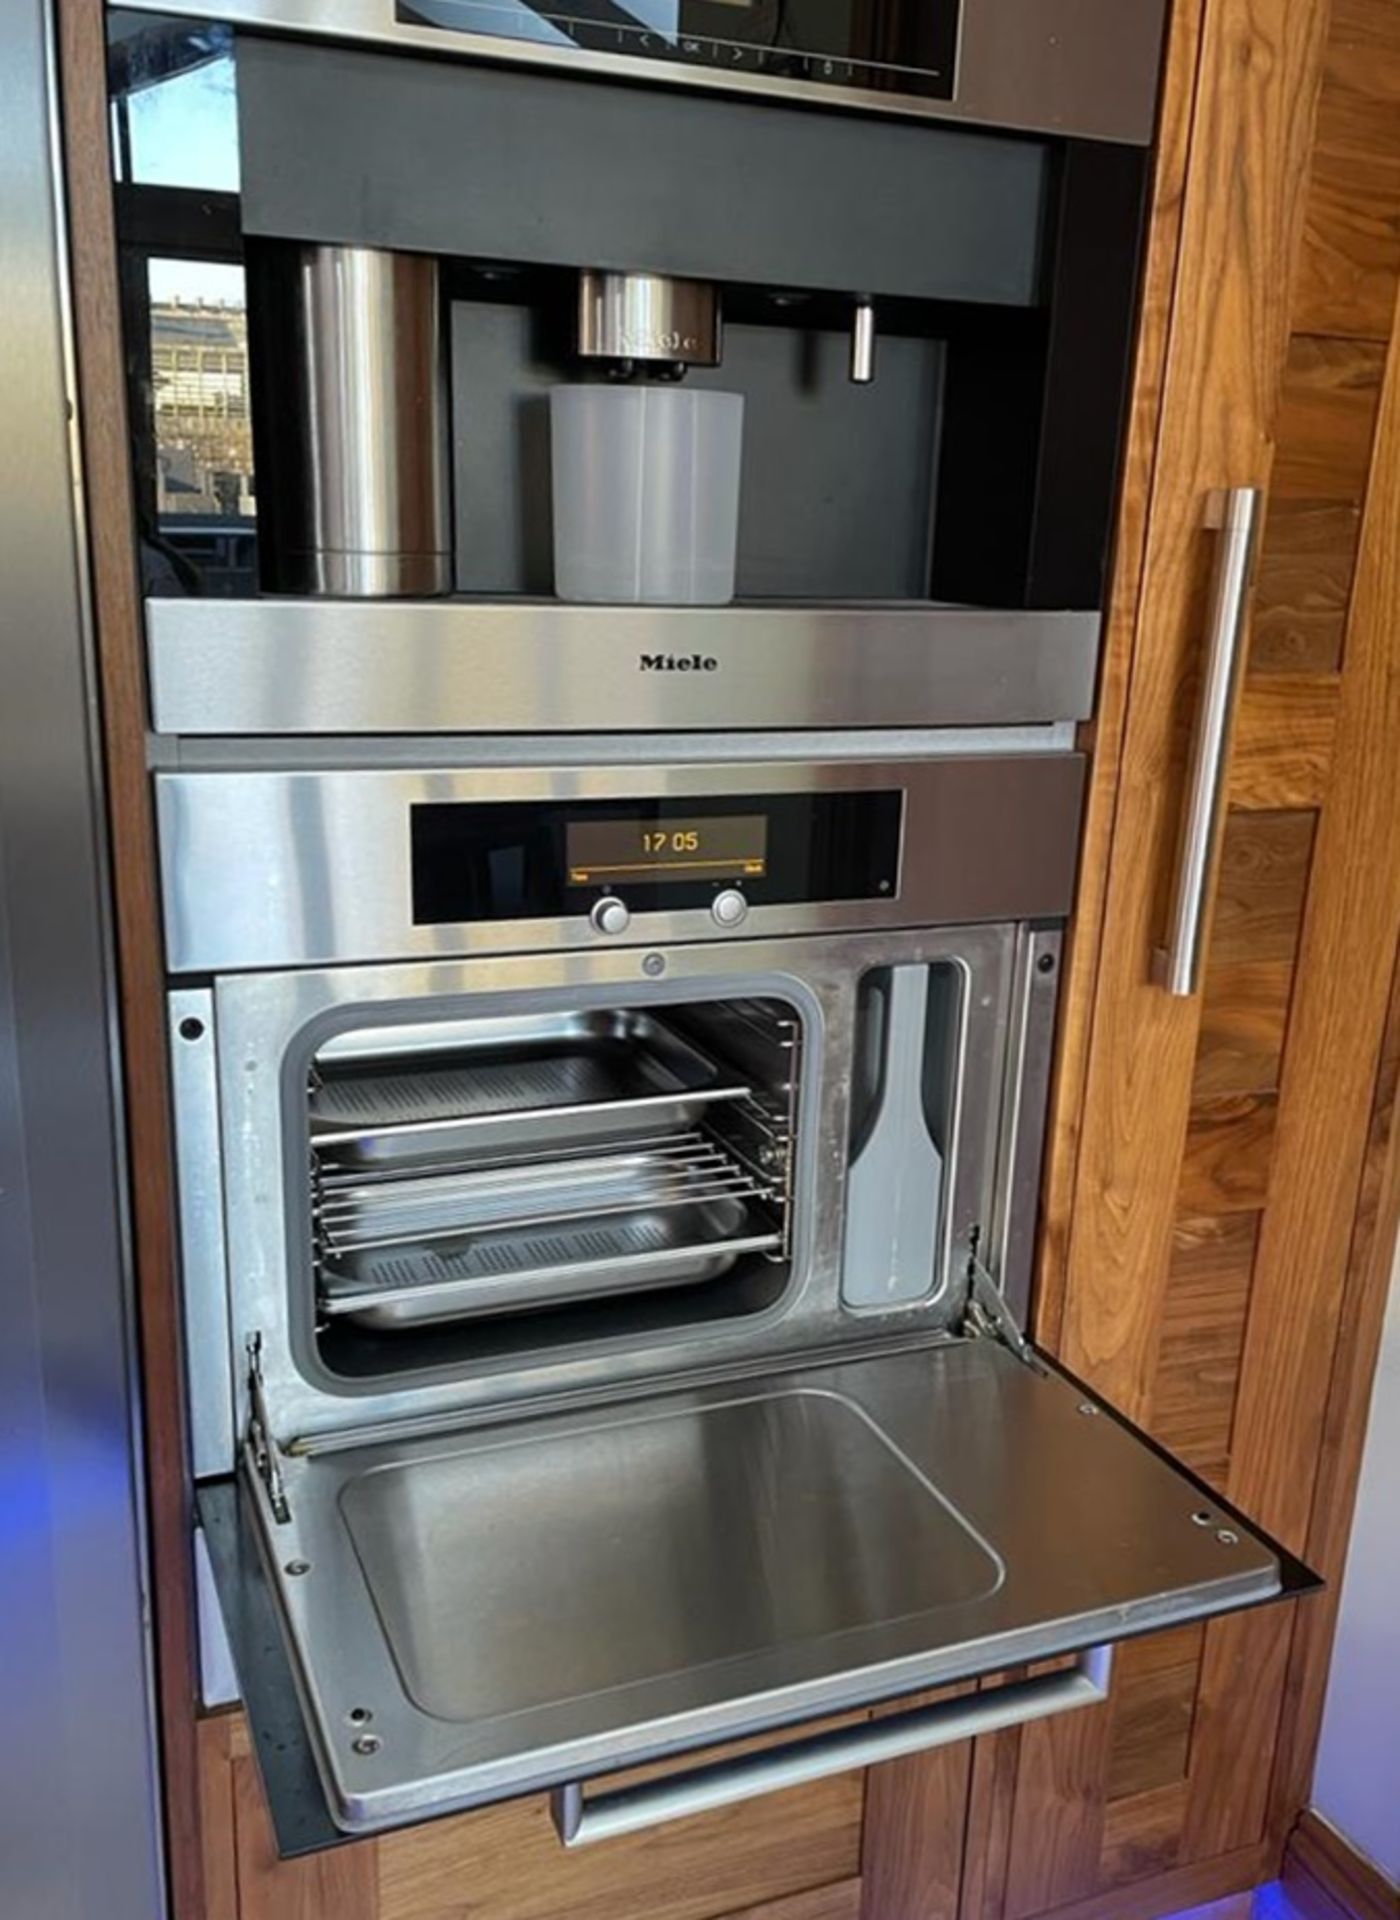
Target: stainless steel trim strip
[(543, 667), (194, 1078), (170, 753), (1010, 1250), (1074, 67), (579, 1820), (1177, 965)]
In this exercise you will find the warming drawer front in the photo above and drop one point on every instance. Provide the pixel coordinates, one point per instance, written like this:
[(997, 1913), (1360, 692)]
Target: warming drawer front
[(537, 1603)]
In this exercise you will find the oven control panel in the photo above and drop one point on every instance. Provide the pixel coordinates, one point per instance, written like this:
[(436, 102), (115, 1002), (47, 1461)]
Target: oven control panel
[(611, 859), (905, 47)]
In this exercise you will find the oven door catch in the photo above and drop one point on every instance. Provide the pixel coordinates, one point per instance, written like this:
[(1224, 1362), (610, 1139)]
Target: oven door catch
[(987, 1315), (262, 1447)]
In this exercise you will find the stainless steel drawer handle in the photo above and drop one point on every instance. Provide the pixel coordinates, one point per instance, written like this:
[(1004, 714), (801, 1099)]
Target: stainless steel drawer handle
[(603, 1816), (1177, 965)]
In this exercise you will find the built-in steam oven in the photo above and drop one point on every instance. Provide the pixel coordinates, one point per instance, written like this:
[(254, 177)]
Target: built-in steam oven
[(607, 1198), (526, 1079)]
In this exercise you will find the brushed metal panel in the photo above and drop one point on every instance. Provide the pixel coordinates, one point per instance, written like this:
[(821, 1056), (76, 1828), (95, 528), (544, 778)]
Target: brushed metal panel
[(677, 1551), (475, 667), (194, 1087), (79, 1832), (284, 869), (797, 1544), (1086, 67)]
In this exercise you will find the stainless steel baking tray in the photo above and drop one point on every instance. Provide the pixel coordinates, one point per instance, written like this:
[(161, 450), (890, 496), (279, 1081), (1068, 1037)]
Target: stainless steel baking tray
[(581, 1076), (667, 1244)]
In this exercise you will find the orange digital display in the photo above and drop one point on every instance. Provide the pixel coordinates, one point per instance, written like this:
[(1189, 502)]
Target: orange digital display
[(612, 851)]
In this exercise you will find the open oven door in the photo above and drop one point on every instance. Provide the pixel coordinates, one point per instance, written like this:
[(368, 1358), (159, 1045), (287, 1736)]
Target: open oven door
[(423, 1625)]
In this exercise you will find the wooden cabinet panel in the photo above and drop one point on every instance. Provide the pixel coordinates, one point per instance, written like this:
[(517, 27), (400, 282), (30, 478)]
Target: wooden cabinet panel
[(1244, 1010), (218, 1825), (791, 1856), (1283, 742), (1247, 169), (1326, 419), (1057, 1826), (1263, 882), (1237, 1712), (840, 1902), (1351, 258), (1303, 585), (1327, 413), (1225, 1160), (1336, 1028), (916, 1810), (1367, 1291), (1142, 1835), (1211, 1298), (506, 1862), (1154, 1703), (1202, 1338)]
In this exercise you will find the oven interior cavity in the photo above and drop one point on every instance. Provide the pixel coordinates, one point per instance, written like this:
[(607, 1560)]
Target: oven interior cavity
[(483, 1185)]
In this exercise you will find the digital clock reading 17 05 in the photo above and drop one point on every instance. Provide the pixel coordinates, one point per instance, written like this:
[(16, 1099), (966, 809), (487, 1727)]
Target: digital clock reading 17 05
[(608, 852)]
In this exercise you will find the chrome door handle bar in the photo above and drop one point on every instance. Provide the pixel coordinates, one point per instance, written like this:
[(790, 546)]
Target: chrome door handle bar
[(603, 1816), (1177, 965)]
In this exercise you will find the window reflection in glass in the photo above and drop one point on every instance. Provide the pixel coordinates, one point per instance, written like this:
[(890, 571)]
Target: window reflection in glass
[(204, 490), (174, 104)]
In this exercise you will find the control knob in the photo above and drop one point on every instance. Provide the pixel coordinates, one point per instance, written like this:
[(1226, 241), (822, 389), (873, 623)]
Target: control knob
[(729, 907), (610, 915)]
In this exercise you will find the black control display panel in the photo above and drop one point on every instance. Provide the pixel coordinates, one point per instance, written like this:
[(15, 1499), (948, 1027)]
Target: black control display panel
[(523, 860), (898, 46)]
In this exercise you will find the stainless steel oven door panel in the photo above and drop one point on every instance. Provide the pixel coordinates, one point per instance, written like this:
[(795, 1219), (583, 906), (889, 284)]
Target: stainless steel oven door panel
[(290, 869), (269, 1025), (544, 1600)]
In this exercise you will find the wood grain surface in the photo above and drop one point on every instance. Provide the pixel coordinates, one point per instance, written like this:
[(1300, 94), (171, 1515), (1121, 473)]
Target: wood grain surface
[(1202, 1338), (1284, 741), (1350, 271), (1369, 1269), (1337, 1022), (1329, 1880), (1247, 170), (1104, 737), (790, 1856)]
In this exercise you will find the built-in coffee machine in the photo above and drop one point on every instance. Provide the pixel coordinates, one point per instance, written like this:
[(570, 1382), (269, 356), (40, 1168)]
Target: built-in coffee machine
[(534, 324), (614, 739)]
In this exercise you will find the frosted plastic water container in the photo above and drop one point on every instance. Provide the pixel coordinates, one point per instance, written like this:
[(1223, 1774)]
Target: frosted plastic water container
[(646, 493)]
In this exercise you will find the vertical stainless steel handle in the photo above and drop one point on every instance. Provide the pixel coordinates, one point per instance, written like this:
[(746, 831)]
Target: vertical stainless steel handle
[(1177, 965), (580, 1820)]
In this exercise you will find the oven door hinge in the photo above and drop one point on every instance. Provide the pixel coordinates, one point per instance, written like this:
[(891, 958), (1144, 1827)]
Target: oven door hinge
[(987, 1316), (262, 1447)]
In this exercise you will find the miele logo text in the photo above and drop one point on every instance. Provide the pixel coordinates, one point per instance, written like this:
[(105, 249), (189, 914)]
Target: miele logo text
[(678, 663)]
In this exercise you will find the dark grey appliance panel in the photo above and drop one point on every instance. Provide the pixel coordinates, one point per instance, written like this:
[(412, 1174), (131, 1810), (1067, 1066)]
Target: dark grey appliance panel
[(362, 149), (741, 1556)]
